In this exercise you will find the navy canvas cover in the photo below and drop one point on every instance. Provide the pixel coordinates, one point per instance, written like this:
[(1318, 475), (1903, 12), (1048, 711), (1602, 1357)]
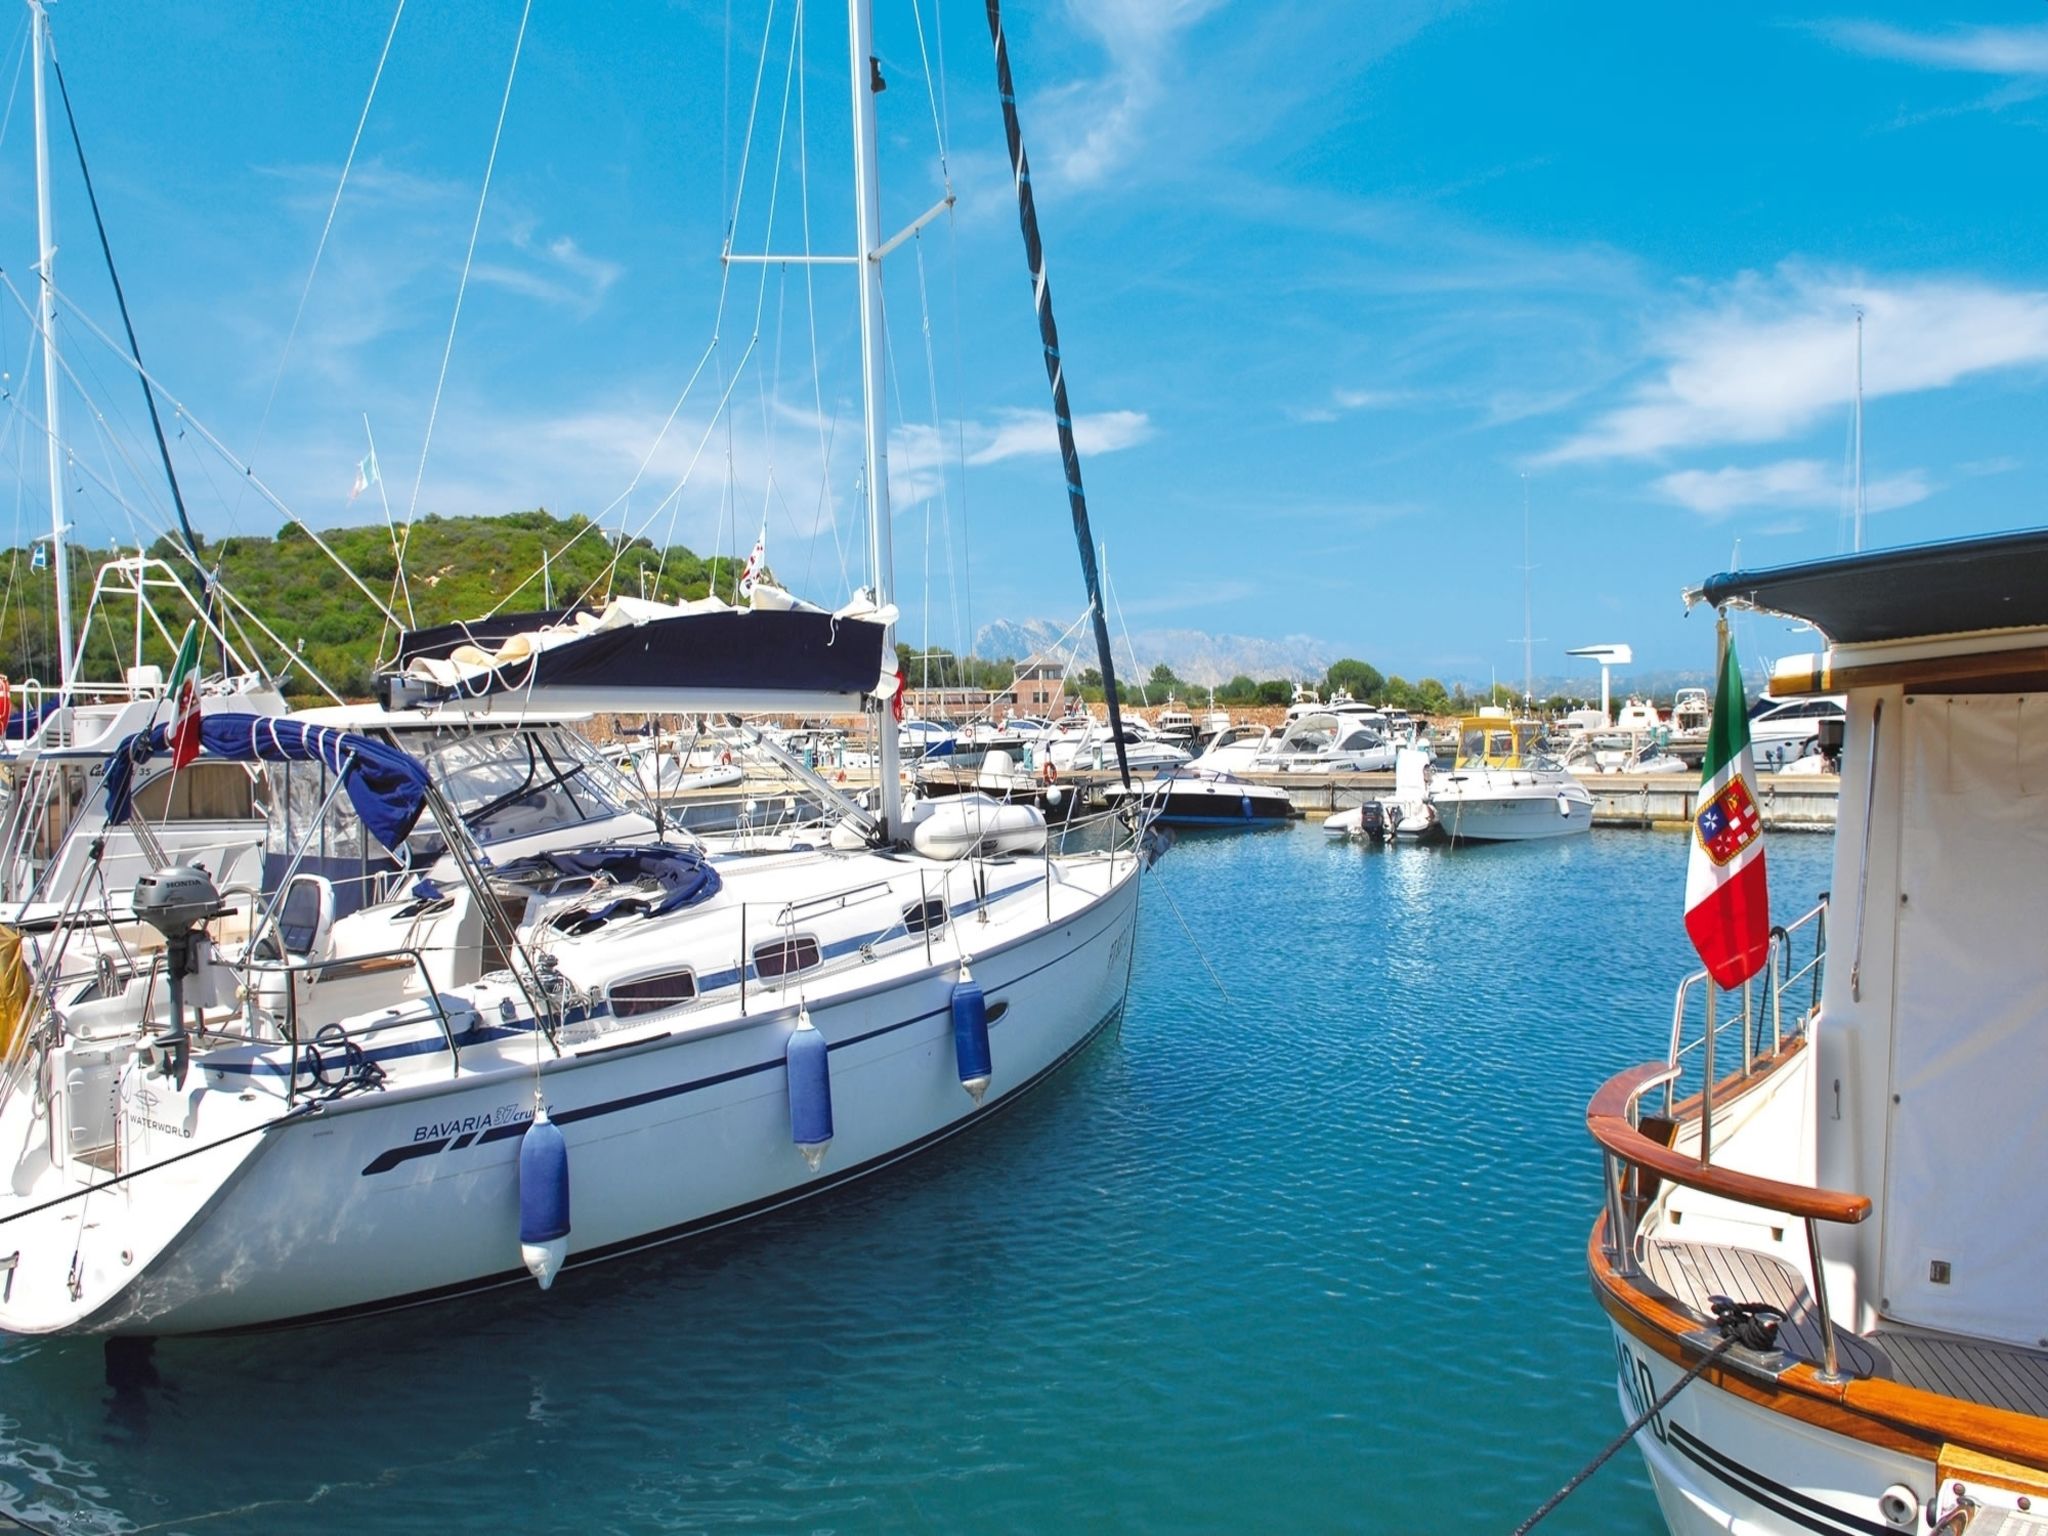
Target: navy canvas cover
[(387, 787)]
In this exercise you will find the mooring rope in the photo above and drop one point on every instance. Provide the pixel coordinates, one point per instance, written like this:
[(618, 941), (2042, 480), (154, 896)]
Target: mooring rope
[(1749, 1323)]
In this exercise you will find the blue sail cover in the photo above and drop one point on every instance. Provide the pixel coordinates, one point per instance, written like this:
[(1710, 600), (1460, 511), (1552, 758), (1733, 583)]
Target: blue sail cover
[(387, 787)]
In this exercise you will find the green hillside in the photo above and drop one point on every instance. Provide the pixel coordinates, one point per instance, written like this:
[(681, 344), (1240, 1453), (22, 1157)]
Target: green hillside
[(456, 568)]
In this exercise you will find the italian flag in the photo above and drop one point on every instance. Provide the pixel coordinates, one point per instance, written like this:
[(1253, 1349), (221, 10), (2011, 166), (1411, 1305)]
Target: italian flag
[(1727, 903), (184, 737)]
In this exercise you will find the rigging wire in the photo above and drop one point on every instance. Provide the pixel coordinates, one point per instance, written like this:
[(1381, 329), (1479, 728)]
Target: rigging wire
[(827, 512), (20, 58), (462, 285), (206, 436), (121, 302), (326, 228)]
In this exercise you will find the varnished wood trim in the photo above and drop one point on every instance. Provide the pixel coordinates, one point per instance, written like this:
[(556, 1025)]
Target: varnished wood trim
[(2027, 665), (1607, 1119), (1880, 1413)]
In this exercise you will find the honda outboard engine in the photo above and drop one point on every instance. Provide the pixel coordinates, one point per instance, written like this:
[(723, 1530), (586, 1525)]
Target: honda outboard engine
[(1372, 822)]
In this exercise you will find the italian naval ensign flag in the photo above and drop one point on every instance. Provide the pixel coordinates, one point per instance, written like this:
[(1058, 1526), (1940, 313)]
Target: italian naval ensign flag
[(1727, 904)]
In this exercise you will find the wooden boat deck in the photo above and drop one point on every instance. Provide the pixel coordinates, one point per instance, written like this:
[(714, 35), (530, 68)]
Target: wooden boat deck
[(1978, 1371), (1973, 1370), (1692, 1274)]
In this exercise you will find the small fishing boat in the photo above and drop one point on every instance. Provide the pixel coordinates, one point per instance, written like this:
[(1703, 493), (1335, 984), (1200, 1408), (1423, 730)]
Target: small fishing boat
[(1502, 790), (1855, 1142)]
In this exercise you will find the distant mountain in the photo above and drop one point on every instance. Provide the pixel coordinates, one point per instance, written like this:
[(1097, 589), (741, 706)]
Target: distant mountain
[(1211, 660), (1195, 655)]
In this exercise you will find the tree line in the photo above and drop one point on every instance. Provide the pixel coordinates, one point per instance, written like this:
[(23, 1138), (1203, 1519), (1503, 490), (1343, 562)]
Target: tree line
[(456, 568)]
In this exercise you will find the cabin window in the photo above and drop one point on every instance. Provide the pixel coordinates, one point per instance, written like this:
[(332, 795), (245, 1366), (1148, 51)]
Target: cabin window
[(199, 791), (651, 994), (927, 916), (785, 957)]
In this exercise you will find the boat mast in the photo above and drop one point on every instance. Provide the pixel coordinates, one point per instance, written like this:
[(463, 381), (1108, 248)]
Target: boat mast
[(60, 558), (1528, 626), (1857, 524), (868, 226)]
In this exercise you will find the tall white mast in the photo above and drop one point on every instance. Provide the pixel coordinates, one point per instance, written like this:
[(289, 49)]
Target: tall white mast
[(1857, 515), (60, 558), (868, 225), (1528, 625)]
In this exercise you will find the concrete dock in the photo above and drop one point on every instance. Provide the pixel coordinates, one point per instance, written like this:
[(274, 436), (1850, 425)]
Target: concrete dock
[(1791, 802)]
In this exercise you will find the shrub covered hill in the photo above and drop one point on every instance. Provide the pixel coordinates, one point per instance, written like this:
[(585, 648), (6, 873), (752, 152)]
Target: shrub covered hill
[(455, 567)]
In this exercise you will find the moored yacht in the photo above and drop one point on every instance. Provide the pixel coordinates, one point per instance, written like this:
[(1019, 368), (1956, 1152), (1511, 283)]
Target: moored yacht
[(1501, 790), (1855, 1142), (266, 1131)]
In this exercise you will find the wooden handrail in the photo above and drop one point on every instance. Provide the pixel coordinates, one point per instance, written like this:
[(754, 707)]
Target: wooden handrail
[(1607, 1119)]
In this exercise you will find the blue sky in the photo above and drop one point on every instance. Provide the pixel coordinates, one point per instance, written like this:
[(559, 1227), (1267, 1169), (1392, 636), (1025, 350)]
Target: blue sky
[(1331, 280)]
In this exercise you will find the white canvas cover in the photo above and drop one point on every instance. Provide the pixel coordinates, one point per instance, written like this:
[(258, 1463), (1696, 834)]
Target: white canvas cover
[(1966, 1181)]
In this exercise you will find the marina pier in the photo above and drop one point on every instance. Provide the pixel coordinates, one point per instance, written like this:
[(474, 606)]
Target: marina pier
[(1792, 802)]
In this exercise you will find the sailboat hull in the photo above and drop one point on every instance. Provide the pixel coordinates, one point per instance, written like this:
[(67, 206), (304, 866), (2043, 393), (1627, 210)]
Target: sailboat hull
[(388, 1200)]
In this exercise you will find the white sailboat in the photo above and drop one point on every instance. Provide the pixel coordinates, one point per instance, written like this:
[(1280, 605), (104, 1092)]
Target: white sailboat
[(345, 1114)]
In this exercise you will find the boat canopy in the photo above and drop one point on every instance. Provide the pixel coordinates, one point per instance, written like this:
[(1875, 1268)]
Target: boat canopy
[(387, 787), (1949, 588), (653, 657)]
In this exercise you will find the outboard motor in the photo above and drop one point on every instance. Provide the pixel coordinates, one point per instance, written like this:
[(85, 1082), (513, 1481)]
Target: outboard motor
[(1372, 822), (175, 901)]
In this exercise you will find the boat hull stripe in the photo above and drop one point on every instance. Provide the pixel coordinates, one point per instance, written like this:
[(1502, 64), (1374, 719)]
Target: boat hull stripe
[(1788, 1502)]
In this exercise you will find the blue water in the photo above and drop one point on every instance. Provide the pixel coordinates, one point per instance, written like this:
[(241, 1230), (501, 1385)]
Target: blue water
[(1308, 1260)]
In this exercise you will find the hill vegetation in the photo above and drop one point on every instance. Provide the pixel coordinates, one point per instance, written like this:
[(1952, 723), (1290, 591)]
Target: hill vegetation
[(456, 568)]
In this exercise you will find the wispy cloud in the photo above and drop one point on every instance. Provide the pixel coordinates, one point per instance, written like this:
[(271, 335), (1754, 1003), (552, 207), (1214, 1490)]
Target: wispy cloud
[(1787, 483), (1768, 355), (2012, 51), (1113, 111), (556, 271), (920, 457)]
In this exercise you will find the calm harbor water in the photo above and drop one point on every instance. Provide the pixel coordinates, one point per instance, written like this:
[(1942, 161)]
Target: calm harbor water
[(1309, 1259)]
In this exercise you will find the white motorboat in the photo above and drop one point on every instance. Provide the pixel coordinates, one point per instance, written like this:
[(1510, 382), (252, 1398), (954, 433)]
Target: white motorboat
[(1144, 750), (1502, 791), (349, 1114), (1855, 1140), (1327, 742), (1780, 729)]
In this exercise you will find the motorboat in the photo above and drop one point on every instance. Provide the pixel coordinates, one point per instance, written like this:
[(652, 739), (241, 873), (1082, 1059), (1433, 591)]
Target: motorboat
[(1779, 729), (331, 1115), (1095, 747), (1318, 742), (1190, 796), (1637, 716), (1404, 816), (1823, 1200), (1502, 790)]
